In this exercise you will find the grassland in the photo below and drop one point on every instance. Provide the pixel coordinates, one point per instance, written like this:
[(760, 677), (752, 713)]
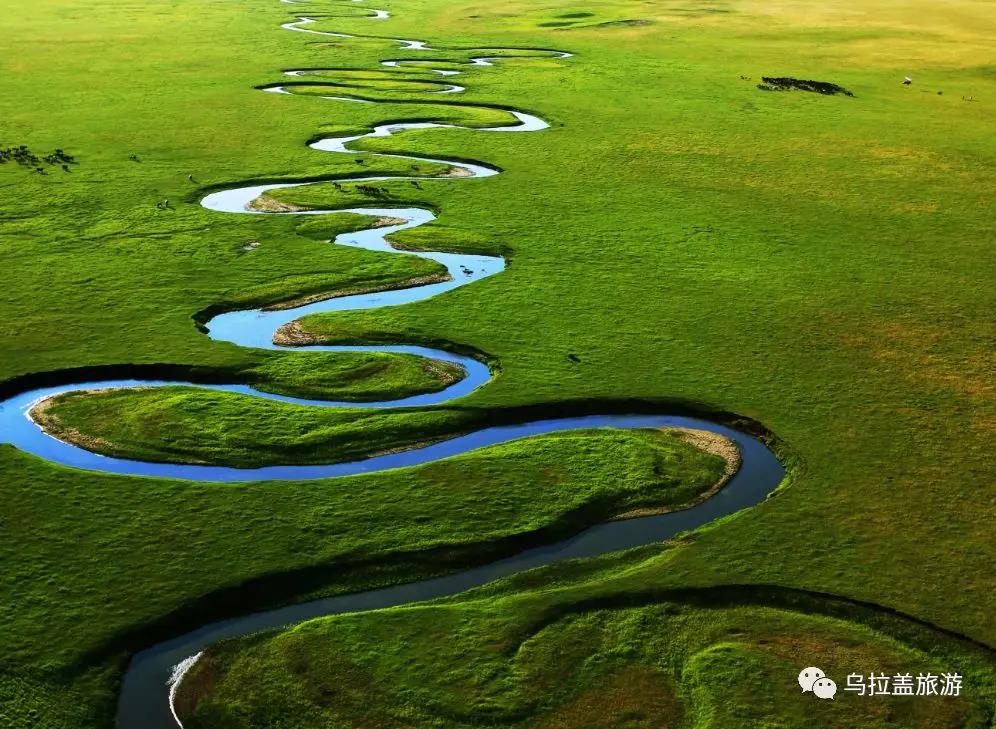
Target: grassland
[(240, 432), (380, 376), (107, 561), (810, 262), (597, 650)]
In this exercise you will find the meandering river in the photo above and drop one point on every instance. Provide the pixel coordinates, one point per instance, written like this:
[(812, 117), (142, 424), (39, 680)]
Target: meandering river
[(145, 700)]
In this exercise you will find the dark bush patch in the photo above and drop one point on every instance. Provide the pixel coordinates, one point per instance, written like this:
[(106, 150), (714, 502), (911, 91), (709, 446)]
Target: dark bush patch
[(784, 83), (696, 12), (623, 23)]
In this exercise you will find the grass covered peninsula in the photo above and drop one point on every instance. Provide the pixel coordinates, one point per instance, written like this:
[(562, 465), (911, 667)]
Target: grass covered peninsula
[(685, 236)]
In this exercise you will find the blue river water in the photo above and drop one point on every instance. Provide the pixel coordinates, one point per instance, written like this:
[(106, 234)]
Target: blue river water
[(146, 694)]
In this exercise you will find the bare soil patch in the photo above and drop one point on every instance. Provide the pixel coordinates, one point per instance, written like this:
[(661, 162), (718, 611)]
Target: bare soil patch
[(714, 443)]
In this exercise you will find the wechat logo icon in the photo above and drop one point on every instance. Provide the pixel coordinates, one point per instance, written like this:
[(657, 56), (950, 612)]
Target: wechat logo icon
[(813, 679)]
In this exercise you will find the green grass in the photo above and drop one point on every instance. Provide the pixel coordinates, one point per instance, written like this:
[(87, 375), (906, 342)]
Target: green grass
[(359, 376), (367, 273), (592, 653), (107, 560), (814, 263), (189, 425), (390, 193)]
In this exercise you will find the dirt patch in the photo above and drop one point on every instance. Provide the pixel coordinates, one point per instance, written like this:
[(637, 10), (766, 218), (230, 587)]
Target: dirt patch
[(195, 686), (784, 83), (446, 376), (385, 221), (266, 204), (638, 691), (292, 334), (930, 354), (406, 284), (714, 443), (457, 172), (48, 421)]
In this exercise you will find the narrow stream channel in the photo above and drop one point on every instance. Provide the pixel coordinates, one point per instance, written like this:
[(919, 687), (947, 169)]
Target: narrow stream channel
[(145, 694)]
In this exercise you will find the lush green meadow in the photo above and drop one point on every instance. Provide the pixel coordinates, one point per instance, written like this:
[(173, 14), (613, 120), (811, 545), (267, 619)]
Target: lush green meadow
[(95, 565), (817, 264), (592, 653)]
